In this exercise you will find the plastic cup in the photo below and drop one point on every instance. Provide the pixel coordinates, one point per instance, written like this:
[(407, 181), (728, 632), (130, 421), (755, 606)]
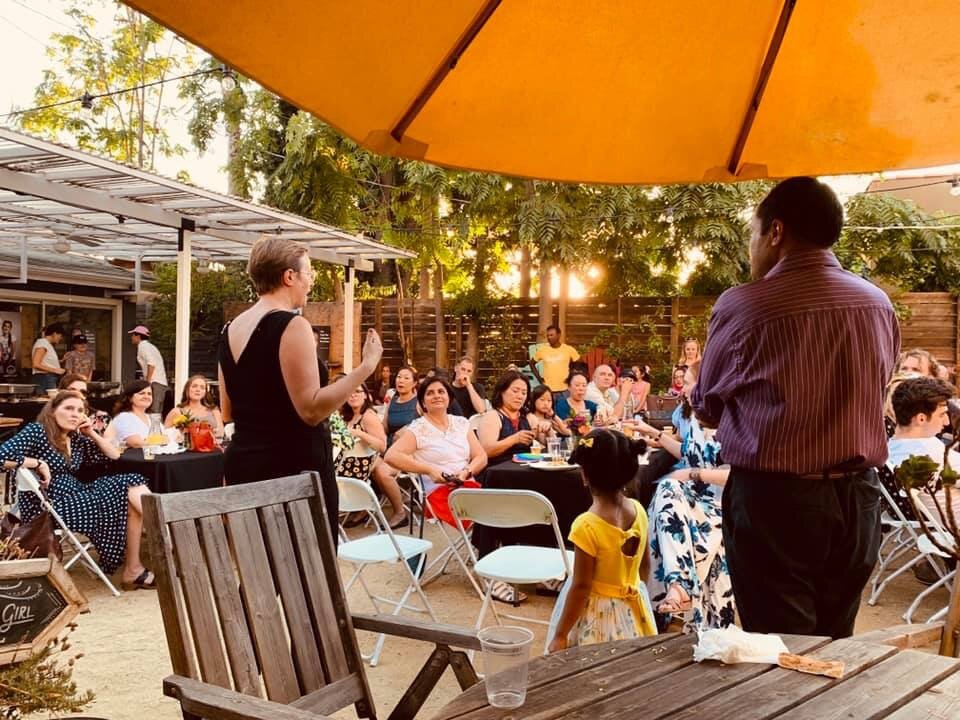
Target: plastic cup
[(506, 657), (148, 453), (553, 449)]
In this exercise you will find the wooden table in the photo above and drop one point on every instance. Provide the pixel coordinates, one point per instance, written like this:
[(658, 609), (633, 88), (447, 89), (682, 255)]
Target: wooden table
[(656, 678)]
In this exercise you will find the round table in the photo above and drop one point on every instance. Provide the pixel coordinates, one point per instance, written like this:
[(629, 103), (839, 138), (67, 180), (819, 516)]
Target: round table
[(175, 473), (563, 488)]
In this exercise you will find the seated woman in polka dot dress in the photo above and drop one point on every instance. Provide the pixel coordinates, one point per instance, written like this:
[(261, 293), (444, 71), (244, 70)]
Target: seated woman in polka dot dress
[(108, 510)]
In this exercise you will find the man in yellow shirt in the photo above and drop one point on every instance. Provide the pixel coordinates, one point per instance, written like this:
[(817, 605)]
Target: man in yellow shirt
[(556, 358)]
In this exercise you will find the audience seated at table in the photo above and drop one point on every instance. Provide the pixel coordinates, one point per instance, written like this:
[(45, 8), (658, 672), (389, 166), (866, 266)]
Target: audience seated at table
[(686, 539), (401, 411), (603, 393), (921, 362), (920, 407), (108, 510), (576, 403), (131, 415), (541, 417), (690, 353), (366, 428), (436, 444), (505, 430), (676, 386), (98, 418), (383, 386), (640, 390), (197, 403)]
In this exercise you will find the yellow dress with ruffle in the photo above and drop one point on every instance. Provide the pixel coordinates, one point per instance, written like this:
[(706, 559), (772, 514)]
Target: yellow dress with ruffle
[(614, 610)]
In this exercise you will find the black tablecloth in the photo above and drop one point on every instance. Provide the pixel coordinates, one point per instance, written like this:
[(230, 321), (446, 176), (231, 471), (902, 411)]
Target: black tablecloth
[(175, 473), (564, 488)]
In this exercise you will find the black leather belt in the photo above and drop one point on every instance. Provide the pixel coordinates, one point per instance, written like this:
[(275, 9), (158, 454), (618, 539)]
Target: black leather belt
[(832, 474)]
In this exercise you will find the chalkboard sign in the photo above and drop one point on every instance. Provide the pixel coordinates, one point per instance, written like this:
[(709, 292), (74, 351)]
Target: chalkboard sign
[(37, 600), (322, 335)]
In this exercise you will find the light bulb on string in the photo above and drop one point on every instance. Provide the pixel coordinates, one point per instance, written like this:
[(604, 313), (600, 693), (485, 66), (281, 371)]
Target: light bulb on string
[(955, 187), (86, 101), (228, 79)]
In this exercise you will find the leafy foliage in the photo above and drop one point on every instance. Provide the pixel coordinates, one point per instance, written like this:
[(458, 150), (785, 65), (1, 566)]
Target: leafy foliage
[(42, 683), (126, 126)]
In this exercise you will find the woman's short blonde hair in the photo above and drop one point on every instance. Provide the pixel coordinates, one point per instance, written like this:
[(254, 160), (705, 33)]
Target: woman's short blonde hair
[(270, 257)]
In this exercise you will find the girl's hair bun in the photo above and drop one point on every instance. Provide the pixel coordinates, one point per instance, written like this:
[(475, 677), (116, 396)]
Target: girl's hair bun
[(608, 458)]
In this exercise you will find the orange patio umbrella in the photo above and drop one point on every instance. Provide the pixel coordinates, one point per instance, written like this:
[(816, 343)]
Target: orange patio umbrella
[(614, 91)]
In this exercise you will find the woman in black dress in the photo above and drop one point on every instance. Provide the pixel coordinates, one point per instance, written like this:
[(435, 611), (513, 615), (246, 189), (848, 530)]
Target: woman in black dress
[(269, 380)]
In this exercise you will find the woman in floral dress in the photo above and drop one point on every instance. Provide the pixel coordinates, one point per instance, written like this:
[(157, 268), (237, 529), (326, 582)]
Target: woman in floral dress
[(690, 575)]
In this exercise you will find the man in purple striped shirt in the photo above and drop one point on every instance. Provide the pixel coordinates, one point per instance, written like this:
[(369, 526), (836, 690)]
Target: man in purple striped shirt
[(793, 375)]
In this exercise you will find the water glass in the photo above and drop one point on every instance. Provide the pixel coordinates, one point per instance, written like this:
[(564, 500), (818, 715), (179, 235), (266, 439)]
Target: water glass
[(506, 656), (553, 449), (567, 448)]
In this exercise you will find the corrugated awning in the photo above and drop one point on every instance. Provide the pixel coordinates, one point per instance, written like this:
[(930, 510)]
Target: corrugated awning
[(59, 197)]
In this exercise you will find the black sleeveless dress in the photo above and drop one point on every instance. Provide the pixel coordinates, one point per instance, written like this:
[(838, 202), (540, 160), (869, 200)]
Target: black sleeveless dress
[(270, 440)]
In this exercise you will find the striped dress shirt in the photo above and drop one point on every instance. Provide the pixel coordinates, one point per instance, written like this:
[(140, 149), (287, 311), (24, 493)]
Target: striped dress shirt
[(795, 367)]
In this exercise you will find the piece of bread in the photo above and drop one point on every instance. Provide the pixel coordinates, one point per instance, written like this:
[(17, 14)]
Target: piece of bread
[(802, 663)]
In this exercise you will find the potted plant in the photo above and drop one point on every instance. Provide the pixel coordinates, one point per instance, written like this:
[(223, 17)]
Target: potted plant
[(37, 680), (921, 473)]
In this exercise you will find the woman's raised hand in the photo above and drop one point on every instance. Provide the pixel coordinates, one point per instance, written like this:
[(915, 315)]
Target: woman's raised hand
[(372, 350)]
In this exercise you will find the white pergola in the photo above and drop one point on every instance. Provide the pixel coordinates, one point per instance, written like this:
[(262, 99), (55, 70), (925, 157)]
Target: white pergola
[(62, 199)]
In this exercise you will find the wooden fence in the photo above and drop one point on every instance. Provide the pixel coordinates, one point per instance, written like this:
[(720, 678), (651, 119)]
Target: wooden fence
[(931, 322)]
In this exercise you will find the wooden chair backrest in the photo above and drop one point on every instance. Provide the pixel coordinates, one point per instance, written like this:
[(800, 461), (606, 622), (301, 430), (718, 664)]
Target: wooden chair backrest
[(251, 596)]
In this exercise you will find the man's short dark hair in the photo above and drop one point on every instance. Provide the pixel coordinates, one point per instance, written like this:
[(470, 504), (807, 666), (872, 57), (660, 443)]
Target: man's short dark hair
[(808, 209), (919, 395), (54, 329), (553, 327)]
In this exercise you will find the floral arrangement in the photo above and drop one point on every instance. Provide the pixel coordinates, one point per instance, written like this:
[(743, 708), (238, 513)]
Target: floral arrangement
[(340, 434), (579, 422), (184, 420)]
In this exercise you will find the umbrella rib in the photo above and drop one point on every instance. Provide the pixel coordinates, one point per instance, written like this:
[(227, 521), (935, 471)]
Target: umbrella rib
[(765, 71), (449, 63)]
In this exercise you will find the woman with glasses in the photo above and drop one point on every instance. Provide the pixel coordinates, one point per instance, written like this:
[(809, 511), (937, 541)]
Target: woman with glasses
[(270, 380), (370, 439)]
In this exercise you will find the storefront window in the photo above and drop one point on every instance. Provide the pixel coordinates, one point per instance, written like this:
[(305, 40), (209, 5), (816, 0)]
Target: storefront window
[(95, 324)]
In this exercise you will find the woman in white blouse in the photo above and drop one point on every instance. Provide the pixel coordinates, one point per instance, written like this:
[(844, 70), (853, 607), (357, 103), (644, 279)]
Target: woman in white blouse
[(131, 424), (438, 444)]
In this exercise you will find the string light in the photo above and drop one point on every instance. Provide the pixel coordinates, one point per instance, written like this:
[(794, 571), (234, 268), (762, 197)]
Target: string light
[(955, 187), (86, 100)]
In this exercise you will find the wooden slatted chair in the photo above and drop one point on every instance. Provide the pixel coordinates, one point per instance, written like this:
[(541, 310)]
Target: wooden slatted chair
[(254, 610)]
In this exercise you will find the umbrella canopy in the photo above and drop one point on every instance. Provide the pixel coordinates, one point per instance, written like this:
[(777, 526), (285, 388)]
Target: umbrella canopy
[(615, 91)]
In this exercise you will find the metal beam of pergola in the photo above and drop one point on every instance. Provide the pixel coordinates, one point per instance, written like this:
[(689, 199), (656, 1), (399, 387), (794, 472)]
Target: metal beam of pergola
[(56, 197)]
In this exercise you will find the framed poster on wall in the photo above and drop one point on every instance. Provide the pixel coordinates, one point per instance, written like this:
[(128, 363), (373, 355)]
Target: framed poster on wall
[(10, 338)]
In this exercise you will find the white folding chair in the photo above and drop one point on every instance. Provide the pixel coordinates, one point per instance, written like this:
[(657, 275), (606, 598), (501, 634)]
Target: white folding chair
[(27, 481), (902, 537), (418, 506), (380, 547), (513, 564), (926, 548)]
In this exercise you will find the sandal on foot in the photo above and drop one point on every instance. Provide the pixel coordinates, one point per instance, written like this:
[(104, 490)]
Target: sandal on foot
[(355, 519), (677, 601), (549, 588), (145, 581), (507, 593)]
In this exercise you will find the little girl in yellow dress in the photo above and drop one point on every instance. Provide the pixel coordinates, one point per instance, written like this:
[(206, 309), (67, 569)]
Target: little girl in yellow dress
[(603, 600)]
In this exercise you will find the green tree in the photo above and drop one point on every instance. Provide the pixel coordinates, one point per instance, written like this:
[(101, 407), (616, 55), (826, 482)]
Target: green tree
[(128, 126), (912, 254)]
